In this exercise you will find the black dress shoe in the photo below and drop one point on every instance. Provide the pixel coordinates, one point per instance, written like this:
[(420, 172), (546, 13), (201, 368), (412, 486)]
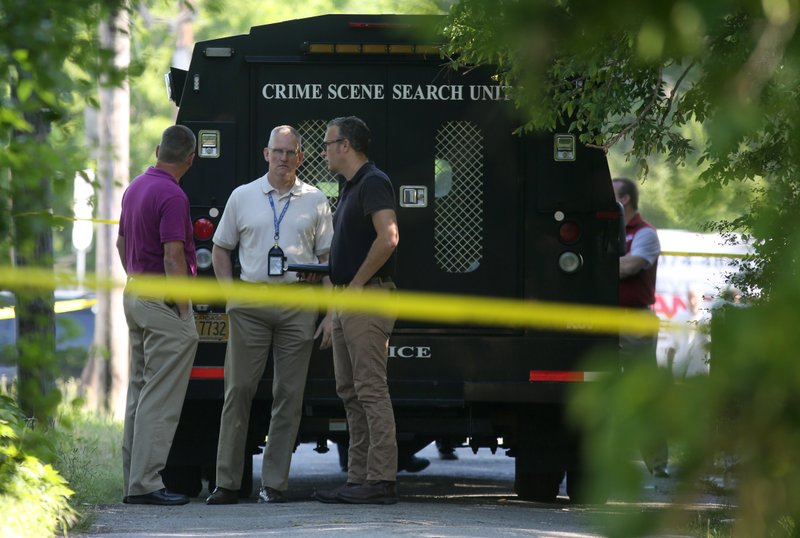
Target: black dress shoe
[(270, 495), (160, 497), (332, 495), (378, 492), (414, 464), (223, 496)]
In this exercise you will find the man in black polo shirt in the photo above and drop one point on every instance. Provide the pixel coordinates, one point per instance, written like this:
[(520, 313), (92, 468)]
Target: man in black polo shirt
[(362, 256)]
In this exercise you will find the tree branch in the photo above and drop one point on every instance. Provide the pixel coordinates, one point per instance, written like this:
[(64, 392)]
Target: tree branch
[(674, 92), (653, 100)]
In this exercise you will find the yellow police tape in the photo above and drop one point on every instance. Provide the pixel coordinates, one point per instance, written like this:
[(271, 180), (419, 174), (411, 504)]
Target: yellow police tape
[(50, 215), (61, 307), (706, 254), (431, 307)]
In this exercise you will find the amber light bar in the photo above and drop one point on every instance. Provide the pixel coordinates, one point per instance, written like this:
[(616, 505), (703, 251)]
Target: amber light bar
[(369, 48)]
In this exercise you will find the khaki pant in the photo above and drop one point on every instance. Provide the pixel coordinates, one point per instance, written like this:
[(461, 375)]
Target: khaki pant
[(162, 352), (360, 346), (253, 331)]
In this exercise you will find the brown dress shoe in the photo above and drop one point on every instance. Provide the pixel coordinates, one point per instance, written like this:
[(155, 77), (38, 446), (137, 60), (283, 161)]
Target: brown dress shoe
[(223, 496), (270, 495), (332, 495), (377, 492)]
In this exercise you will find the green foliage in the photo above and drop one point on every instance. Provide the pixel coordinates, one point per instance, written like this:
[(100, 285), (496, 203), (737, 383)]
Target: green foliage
[(49, 56), (745, 411), (643, 72), (33, 495), (641, 77), (41, 45), (673, 195)]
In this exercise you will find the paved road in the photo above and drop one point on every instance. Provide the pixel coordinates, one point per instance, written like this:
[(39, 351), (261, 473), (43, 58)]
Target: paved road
[(471, 497)]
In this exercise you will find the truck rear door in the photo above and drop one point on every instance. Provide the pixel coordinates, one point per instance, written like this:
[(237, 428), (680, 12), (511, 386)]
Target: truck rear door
[(439, 137)]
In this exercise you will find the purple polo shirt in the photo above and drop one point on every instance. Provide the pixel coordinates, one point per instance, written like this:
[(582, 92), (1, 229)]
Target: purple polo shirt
[(155, 210)]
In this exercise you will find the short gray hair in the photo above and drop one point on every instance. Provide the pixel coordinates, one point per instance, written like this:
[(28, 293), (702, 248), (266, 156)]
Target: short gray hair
[(289, 128), (177, 143)]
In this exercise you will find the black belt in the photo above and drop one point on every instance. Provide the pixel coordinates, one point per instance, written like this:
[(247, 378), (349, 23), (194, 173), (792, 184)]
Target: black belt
[(374, 281)]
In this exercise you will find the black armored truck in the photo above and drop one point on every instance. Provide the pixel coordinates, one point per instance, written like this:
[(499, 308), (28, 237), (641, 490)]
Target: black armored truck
[(482, 211)]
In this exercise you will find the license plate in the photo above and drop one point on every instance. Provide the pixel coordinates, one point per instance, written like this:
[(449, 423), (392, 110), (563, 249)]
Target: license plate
[(212, 327)]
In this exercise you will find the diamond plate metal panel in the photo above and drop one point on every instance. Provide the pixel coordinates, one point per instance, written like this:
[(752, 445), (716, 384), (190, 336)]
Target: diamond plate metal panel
[(314, 170), (458, 211)]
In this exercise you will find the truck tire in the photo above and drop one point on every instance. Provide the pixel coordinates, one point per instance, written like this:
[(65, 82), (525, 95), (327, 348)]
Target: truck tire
[(576, 489), (183, 479), (541, 486)]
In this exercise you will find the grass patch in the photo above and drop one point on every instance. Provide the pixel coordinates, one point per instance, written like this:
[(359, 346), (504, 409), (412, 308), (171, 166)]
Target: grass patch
[(712, 524), (89, 448)]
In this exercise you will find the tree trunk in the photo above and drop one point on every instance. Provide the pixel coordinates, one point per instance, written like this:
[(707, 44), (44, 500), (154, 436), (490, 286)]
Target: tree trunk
[(35, 318), (106, 374), (184, 34)]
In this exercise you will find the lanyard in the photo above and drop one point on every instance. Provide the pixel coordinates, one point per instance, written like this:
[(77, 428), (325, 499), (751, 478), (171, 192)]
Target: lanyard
[(275, 218)]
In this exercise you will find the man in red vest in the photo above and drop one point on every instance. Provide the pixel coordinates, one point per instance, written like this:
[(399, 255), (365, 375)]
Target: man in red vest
[(637, 289)]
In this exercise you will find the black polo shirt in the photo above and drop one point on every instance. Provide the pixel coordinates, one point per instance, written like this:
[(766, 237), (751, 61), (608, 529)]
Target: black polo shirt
[(367, 192)]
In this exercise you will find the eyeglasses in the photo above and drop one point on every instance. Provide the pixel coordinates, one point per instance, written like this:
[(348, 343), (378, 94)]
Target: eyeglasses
[(279, 153), (326, 143)]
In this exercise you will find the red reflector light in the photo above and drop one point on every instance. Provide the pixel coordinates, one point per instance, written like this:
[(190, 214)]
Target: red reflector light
[(203, 229), (569, 231), (550, 375), (207, 372)]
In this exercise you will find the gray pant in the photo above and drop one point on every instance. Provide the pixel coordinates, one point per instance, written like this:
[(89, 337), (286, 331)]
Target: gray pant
[(253, 330), (162, 353), (360, 346)]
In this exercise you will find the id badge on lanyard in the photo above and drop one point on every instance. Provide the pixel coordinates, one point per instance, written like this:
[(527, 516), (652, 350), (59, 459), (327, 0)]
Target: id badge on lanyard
[(276, 261)]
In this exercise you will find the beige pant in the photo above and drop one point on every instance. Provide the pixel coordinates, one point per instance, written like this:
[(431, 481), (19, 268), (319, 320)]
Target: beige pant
[(253, 331), (360, 346), (162, 353)]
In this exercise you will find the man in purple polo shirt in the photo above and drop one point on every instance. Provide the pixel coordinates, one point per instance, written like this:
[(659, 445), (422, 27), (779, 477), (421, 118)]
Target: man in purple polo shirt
[(155, 238)]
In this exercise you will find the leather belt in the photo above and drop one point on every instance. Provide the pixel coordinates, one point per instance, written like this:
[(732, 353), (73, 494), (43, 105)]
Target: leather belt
[(374, 281)]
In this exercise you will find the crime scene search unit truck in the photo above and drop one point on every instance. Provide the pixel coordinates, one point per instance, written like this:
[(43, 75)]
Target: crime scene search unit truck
[(481, 210)]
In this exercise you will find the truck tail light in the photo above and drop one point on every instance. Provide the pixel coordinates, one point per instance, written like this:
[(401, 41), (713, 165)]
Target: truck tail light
[(569, 232), (203, 229)]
